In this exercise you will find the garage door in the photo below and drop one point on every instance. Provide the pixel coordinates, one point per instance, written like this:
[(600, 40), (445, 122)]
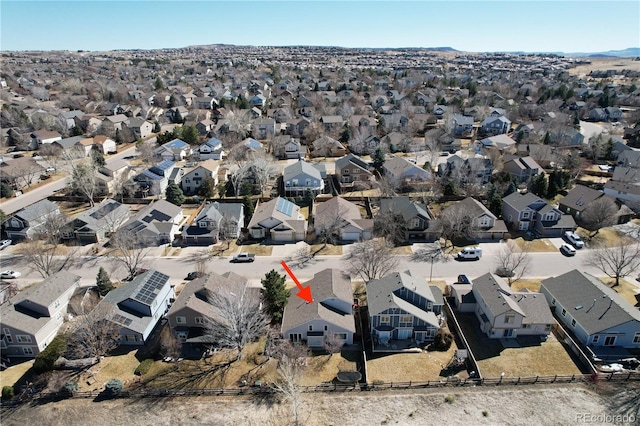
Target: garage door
[(351, 236), (315, 341), (281, 236)]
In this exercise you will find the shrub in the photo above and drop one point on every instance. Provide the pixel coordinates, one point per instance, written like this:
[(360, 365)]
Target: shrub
[(144, 367), (8, 392), (113, 387), (485, 413), (450, 399), (70, 388), (47, 358), (442, 341)]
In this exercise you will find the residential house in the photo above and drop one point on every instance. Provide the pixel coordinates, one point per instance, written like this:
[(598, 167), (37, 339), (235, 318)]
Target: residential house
[(97, 223), (365, 124), (297, 126), (353, 173), (138, 306), (46, 136), (140, 127), (154, 180), (567, 137), (155, 224), (68, 118), (598, 317), (174, 150), (472, 170), (111, 175), (404, 311), (210, 150), (329, 317), (340, 220), (332, 122), (578, 200), (493, 125), (177, 114), (278, 220), (191, 311), (502, 312), (528, 212), (501, 142), (215, 221), (258, 101), (33, 317), (597, 114), (630, 159), (264, 128), (301, 177), (193, 178), (205, 126), (462, 125), (292, 149), (19, 172), (29, 221), (416, 217), (522, 168), (625, 191), (115, 121), (405, 173), (326, 146), (205, 102), (440, 110), (104, 144), (481, 224)]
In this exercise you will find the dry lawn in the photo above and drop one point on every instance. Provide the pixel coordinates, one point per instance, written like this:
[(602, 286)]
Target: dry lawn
[(626, 289), (257, 249), (304, 211), (221, 249), (545, 359), (119, 367), (535, 246), (603, 64), (605, 236), (325, 368), (531, 284), (402, 250), (327, 250), (73, 210), (406, 367), (12, 374)]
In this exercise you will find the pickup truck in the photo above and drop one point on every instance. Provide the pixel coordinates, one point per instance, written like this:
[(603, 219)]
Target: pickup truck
[(243, 257)]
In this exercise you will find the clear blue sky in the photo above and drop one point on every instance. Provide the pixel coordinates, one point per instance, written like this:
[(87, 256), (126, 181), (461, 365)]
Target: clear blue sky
[(538, 25)]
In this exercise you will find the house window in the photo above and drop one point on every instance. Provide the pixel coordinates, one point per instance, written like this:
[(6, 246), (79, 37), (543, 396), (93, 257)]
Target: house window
[(23, 338), (6, 331), (200, 320), (573, 322), (310, 328), (131, 338), (8, 338), (27, 351), (547, 327), (197, 174), (509, 318), (405, 319), (485, 221), (414, 223), (384, 319), (526, 326), (526, 215), (564, 312), (187, 180), (181, 320), (597, 337), (610, 340), (340, 336), (326, 328), (636, 338)]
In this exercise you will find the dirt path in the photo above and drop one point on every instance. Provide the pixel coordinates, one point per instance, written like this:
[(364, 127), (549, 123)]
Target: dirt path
[(526, 405)]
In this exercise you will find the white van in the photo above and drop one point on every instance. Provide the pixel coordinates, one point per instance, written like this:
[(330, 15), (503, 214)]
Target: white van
[(469, 253)]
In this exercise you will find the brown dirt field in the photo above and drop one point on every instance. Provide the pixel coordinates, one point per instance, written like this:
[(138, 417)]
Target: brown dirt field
[(525, 405), (405, 367), (602, 64)]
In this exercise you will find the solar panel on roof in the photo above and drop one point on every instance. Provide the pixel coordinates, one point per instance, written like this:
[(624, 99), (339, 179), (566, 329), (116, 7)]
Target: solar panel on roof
[(285, 207), (104, 210), (121, 319)]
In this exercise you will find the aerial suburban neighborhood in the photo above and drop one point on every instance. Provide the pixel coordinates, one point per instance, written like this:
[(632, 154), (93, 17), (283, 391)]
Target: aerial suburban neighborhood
[(410, 218)]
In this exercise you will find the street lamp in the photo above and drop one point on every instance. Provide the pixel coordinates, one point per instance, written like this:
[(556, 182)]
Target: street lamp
[(433, 256)]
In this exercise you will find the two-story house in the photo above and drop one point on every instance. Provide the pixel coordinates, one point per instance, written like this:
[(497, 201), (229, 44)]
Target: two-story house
[(462, 125), (215, 221), (328, 317), (140, 127), (98, 222), (416, 217), (210, 150), (301, 177), (174, 150), (528, 212), (278, 219), (522, 168), (33, 317), (138, 306), (481, 224), (26, 223), (154, 180), (340, 220), (326, 146), (403, 311), (193, 178), (493, 125), (503, 313), (603, 322), (406, 174), (264, 128), (191, 311), (353, 173)]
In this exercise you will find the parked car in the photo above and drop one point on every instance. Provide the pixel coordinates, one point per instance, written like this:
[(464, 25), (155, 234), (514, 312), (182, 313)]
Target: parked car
[(50, 169), (574, 239), (194, 275), (470, 253), (243, 257), (505, 272), (10, 274), (4, 244), (567, 250), (18, 155), (11, 149), (463, 279)]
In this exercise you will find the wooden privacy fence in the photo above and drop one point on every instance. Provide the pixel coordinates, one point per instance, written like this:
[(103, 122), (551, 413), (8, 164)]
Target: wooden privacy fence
[(267, 391)]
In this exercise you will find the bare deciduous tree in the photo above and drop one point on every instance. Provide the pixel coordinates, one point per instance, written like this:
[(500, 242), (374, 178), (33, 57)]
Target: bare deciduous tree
[(170, 344), (513, 262), (237, 178), (261, 169), (292, 361), (456, 222), (93, 334), (617, 260), (237, 318), (599, 214), (83, 178), (371, 260), (127, 250)]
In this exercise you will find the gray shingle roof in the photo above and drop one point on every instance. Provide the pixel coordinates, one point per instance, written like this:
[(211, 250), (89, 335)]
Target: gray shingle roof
[(404, 206), (575, 288), (301, 167), (37, 210), (496, 294), (325, 285)]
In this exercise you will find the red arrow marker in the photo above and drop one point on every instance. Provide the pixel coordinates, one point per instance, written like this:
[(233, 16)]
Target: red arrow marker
[(305, 292)]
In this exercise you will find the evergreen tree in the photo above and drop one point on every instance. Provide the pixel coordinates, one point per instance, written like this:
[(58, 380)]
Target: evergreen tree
[(308, 199), (77, 131), (174, 194), (248, 207), (119, 139), (103, 282), (378, 159), (510, 189), (97, 158), (538, 185), (189, 134), (450, 188), (159, 84), (156, 127), (274, 294), (495, 200), (5, 190), (208, 187), (547, 139)]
